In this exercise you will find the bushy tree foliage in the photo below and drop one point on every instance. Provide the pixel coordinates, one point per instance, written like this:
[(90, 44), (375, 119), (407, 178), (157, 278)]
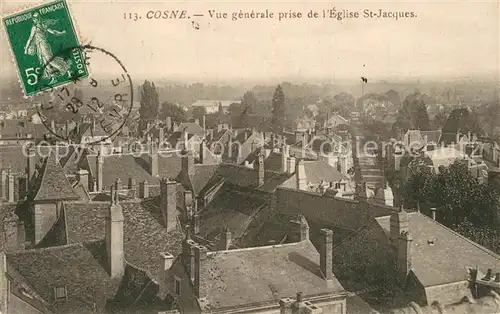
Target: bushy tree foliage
[(278, 104), (149, 104), (169, 109)]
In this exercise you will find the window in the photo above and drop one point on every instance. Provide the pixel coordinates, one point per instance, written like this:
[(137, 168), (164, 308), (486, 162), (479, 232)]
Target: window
[(60, 293), (177, 286)]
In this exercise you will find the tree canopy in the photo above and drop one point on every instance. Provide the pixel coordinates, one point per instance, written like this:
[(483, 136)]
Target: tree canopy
[(462, 120), (173, 111), (149, 104), (413, 114), (278, 104)]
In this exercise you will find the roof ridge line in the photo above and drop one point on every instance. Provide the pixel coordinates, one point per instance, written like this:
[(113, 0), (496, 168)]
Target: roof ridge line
[(52, 248), (275, 246)]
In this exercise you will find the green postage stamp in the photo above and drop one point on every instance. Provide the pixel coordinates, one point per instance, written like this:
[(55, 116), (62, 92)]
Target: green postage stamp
[(45, 47)]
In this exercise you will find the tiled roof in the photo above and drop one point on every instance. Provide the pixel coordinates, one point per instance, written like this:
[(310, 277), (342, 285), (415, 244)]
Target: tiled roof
[(192, 128), (54, 184), (202, 175), (177, 136), (428, 263), (247, 178), (123, 166), (7, 210), (232, 209), (145, 237), (245, 276), (317, 171), (79, 267)]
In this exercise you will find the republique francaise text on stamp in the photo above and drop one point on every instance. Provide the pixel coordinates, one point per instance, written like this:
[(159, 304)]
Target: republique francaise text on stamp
[(36, 37)]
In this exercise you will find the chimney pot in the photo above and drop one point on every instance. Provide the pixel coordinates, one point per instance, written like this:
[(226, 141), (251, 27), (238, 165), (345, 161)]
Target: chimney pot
[(299, 296), (144, 189), (497, 277), (168, 203), (433, 213), (225, 239)]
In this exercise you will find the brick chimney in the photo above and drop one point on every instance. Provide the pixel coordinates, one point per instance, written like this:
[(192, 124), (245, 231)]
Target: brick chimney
[(260, 169), (161, 136), (326, 254), (166, 261), (187, 163), (286, 306), (202, 152), (204, 122), (114, 237), (31, 162), (153, 160), (100, 164), (10, 179), (185, 139), (398, 224), (188, 254), (168, 123), (284, 159), (83, 178), (132, 185), (13, 232), (196, 224), (118, 184), (144, 189), (298, 229), (300, 176), (404, 256), (225, 239), (201, 271), (291, 163), (168, 203), (4, 184), (188, 203)]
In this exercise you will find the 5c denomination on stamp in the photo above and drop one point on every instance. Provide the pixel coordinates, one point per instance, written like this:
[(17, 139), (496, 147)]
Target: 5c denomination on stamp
[(37, 36)]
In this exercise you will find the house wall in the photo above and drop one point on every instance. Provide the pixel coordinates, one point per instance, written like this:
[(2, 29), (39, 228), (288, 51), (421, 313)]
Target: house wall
[(187, 299), (448, 293), (338, 212), (45, 217)]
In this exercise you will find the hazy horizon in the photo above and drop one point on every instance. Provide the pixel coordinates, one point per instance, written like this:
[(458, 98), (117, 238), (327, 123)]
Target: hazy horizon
[(447, 40)]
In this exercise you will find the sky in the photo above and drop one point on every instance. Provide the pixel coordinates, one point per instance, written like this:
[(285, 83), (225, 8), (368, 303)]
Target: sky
[(446, 39)]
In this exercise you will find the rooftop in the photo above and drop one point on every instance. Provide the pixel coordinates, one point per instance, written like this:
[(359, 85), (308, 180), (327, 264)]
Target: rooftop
[(432, 241), (265, 274)]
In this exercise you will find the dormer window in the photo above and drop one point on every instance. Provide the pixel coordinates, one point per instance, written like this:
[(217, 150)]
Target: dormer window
[(60, 294)]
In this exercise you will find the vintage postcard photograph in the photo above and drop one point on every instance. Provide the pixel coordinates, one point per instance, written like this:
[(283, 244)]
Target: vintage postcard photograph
[(249, 157)]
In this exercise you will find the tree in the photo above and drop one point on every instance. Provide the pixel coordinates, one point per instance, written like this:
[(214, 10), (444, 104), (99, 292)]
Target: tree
[(278, 103), (249, 101), (458, 195), (439, 120), (173, 111), (343, 104), (393, 97), (422, 121), (462, 120), (199, 112), (149, 105)]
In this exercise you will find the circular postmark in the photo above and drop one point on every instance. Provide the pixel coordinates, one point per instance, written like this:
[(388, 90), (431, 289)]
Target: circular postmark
[(84, 108)]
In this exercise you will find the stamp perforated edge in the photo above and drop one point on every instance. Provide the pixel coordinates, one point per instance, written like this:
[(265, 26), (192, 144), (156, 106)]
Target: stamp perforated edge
[(22, 9)]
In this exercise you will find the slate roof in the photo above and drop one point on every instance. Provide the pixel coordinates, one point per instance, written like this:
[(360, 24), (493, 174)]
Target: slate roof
[(145, 236), (125, 166), (81, 267), (54, 184), (14, 158), (317, 171), (7, 210), (232, 209), (192, 128), (446, 260), (242, 176), (201, 177), (245, 276)]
